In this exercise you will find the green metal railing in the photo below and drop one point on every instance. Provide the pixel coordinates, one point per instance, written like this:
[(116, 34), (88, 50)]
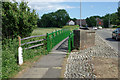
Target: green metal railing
[(55, 37), (70, 42)]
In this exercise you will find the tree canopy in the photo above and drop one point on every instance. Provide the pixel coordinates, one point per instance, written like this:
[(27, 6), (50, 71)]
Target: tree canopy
[(91, 21), (118, 21), (54, 19), (17, 19)]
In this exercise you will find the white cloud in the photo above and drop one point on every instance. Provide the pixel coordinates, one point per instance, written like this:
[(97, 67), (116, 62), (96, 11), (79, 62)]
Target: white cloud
[(49, 6), (69, 0)]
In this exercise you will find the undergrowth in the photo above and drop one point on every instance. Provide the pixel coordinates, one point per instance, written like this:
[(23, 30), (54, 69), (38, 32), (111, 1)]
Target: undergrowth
[(10, 56), (10, 65)]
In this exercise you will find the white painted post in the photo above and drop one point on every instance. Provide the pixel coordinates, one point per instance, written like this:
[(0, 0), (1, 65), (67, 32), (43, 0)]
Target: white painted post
[(20, 57)]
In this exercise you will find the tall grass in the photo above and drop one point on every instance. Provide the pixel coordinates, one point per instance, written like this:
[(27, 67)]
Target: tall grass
[(10, 56)]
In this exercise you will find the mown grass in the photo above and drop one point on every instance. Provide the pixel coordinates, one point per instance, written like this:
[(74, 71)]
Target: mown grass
[(10, 65), (71, 27), (41, 31)]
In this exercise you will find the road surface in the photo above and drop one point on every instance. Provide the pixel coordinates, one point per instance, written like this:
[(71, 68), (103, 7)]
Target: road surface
[(106, 34)]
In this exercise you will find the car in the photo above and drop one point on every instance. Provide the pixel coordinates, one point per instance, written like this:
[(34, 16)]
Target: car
[(116, 34), (95, 28), (99, 27)]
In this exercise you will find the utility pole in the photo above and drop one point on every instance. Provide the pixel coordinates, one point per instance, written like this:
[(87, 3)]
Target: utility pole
[(96, 22), (80, 15), (109, 21)]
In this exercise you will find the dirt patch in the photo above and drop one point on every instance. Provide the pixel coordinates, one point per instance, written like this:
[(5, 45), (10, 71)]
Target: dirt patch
[(105, 67)]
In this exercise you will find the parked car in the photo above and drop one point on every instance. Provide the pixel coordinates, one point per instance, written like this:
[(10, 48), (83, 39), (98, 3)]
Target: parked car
[(116, 34), (95, 28), (99, 27)]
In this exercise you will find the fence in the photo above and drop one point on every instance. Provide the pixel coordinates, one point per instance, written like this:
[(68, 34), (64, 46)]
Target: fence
[(52, 40), (71, 42), (55, 37), (20, 57), (31, 41)]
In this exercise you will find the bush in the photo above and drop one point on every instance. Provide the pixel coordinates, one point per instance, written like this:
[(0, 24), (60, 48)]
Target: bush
[(10, 56), (114, 26), (17, 19), (118, 26)]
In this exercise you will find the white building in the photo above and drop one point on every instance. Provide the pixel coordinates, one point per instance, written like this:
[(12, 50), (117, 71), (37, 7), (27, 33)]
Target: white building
[(119, 4), (71, 23)]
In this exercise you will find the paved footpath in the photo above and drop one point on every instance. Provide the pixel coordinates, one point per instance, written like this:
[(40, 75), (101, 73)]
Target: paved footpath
[(49, 66)]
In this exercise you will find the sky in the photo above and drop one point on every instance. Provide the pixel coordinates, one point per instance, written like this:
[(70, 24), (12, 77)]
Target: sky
[(89, 7)]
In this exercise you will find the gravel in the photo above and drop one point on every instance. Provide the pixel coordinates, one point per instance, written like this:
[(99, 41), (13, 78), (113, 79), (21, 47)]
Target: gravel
[(78, 63)]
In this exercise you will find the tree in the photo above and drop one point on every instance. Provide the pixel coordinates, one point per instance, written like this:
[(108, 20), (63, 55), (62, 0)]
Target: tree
[(62, 17), (17, 19), (54, 19), (88, 22), (91, 21), (114, 18), (118, 16), (106, 20)]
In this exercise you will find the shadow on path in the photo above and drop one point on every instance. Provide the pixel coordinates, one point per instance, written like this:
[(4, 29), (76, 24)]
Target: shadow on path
[(63, 47), (110, 39)]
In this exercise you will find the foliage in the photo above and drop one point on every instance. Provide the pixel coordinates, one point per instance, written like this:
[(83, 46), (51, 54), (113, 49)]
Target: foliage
[(17, 19), (114, 26), (10, 56), (88, 22), (54, 19), (106, 20), (114, 18), (91, 21), (118, 16), (10, 53)]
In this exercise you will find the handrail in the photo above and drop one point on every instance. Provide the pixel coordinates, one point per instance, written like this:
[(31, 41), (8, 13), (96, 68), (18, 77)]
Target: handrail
[(55, 37)]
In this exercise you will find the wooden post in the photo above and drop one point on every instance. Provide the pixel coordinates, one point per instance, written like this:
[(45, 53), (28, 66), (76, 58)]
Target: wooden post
[(19, 38), (20, 56)]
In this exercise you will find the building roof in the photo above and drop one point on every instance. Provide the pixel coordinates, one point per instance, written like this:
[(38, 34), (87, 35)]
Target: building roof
[(83, 21)]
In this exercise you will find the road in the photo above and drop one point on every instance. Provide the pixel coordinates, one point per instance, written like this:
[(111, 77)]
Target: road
[(106, 34)]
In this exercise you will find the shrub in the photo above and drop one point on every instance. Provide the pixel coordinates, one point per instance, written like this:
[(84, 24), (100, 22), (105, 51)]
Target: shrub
[(17, 19), (10, 56), (114, 26)]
